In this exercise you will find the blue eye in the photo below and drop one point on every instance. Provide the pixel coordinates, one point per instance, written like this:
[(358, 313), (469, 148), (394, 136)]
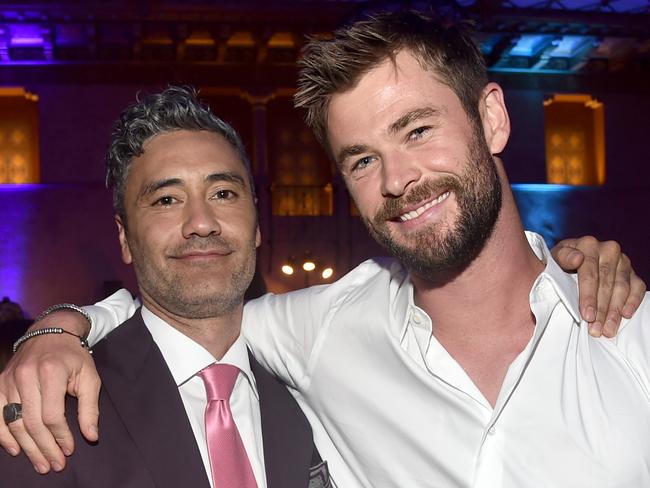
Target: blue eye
[(419, 132), (362, 163)]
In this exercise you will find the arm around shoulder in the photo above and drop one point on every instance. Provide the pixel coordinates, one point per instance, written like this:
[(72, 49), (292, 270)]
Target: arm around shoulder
[(109, 313), (283, 330)]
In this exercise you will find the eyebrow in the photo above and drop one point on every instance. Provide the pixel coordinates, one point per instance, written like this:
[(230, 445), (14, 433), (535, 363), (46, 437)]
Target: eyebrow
[(395, 127), (154, 186), (226, 176), (412, 116), (348, 151)]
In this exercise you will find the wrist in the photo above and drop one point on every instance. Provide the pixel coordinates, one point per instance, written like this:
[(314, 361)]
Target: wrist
[(47, 331), (76, 311), (70, 320)]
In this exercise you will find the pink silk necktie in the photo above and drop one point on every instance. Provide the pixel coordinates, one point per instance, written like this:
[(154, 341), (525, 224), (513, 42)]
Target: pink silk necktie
[(228, 459)]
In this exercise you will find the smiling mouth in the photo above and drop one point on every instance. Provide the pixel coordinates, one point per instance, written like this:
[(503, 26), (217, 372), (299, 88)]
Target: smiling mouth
[(420, 210), (202, 254)]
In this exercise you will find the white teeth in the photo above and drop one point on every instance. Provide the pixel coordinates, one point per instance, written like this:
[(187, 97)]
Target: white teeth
[(419, 211)]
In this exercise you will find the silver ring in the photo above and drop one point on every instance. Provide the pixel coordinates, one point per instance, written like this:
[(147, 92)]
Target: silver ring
[(12, 412)]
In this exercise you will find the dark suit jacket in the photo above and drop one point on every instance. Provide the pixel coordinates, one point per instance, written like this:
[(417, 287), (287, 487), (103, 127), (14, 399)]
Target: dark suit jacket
[(145, 437)]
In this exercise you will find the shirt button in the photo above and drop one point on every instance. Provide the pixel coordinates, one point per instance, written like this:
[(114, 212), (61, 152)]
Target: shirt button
[(417, 319), (491, 430)]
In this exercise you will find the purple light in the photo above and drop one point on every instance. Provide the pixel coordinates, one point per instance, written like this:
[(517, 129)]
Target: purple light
[(27, 41), (17, 187), (24, 35), (17, 205)]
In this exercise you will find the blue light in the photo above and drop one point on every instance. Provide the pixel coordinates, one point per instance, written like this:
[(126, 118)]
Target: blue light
[(17, 206), (18, 187), (487, 45), (549, 209), (531, 45), (571, 46), (548, 188)]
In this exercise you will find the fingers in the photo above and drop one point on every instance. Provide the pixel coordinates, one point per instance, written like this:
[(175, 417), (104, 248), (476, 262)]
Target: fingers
[(6, 438), (87, 391), (38, 376), (588, 286), (604, 279), (35, 437), (53, 383), (637, 292), (567, 256), (620, 292), (629, 291), (585, 260), (608, 313), (19, 432), (609, 288)]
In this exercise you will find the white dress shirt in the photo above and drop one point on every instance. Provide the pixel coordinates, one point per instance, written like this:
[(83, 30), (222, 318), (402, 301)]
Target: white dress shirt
[(185, 358), (391, 408)]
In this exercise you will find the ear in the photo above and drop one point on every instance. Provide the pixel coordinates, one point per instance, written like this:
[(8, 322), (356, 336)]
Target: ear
[(258, 237), (124, 243), (494, 115)]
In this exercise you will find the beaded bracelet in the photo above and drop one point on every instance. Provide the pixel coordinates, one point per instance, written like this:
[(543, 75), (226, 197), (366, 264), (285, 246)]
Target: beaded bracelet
[(55, 330), (48, 330), (64, 306)]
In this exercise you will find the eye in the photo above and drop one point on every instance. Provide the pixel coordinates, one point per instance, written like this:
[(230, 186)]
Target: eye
[(418, 133), (165, 201), (225, 194), (362, 163)]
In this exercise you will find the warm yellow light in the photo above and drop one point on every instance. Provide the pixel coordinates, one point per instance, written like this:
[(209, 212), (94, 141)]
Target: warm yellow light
[(575, 140), (19, 140), (287, 269), (327, 273), (309, 265)]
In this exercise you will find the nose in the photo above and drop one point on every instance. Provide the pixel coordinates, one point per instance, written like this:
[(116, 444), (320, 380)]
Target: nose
[(399, 171), (200, 219)]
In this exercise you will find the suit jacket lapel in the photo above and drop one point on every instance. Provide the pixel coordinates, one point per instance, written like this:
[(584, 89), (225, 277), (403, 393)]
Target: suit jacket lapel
[(139, 384), (288, 443)]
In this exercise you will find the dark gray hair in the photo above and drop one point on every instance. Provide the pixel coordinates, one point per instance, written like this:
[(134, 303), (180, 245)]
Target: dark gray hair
[(443, 47), (175, 108)]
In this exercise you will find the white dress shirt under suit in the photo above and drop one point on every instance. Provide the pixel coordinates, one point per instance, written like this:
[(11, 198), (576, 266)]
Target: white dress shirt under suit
[(391, 408), (185, 358)]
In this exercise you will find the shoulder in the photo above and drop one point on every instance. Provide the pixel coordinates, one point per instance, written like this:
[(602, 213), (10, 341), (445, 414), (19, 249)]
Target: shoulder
[(125, 344), (274, 396), (367, 277), (289, 448)]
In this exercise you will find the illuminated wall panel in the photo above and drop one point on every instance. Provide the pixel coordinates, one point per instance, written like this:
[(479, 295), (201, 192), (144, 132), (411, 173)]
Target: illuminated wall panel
[(300, 172), (19, 145), (575, 140)]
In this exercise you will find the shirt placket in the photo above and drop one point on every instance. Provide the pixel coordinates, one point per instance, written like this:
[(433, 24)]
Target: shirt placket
[(489, 471)]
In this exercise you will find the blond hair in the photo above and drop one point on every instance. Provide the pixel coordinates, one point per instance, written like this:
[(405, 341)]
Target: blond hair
[(335, 65)]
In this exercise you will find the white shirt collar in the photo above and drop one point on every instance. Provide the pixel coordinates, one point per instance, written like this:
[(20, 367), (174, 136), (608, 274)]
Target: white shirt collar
[(563, 284), (185, 357)]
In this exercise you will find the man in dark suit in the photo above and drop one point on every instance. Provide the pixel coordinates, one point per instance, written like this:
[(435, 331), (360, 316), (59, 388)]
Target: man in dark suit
[(185, 211)]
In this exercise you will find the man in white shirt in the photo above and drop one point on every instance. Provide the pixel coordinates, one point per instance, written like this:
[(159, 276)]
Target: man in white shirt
[(185, 211), (463, 362)]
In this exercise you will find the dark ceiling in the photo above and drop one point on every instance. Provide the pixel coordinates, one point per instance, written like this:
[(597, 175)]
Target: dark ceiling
[(225, 41)]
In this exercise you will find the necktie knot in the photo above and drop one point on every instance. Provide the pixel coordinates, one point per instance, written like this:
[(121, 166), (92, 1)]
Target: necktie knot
[(219, 380)]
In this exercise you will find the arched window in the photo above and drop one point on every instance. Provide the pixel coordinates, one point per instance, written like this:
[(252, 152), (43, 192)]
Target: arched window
[(19, 145), (574, 127), (300, 172)]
